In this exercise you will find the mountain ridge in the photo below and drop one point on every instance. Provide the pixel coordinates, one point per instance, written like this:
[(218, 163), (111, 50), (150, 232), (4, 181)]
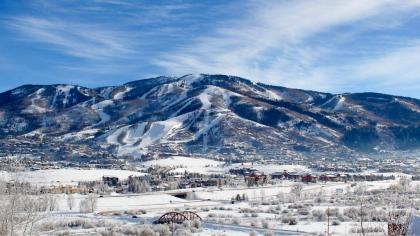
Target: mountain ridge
[(212, 115)]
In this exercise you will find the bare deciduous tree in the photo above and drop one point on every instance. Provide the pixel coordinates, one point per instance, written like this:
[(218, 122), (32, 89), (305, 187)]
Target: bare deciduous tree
[(89, 204), (21, 207), (70, 201), (297, 190)]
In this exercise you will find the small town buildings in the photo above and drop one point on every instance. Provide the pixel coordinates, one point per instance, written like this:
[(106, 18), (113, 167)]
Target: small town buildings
[(256, 179), (308, 178)]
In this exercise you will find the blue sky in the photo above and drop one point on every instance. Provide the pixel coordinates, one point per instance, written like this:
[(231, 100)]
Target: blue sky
[(326, 45)]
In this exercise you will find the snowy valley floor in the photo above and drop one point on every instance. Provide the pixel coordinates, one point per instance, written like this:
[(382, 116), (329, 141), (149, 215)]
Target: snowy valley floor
[(268, 209)]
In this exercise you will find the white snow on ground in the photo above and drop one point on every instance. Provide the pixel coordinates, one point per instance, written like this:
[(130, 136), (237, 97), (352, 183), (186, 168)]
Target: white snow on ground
[(161, 129), (83, 91), (272, 95), (33, 107), (99, 108), (271, 192), (125, 202), (63, 90), (4, 176), (120, 95), (320, 227), (226, 94), (133, 138), (309, 98), (408, 105), (165, 89), (111, 207), (207, 126), (158, 132), (339, 104), (87, 133), (67, 176), (270, 168), (190, 79), (132, 133), (105, 92), (205, 99), (210, 91), (191, 164)]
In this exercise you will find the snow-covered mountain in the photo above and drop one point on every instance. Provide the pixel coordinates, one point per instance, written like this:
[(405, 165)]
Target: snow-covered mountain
[(212, 114)]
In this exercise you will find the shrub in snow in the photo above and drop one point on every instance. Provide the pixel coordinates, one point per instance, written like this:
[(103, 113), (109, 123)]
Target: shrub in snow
[(336, 222), (272, 210), (211, 215), (196, 224), (182, 232), (106, 232), (352, 212), (293, 221), (162, 229), (138, 231), (265, 224), (254, 214), (254, 224), (319, 215), (147, 232), (289, 220), (236, 221), (186, 224), (303, 212)]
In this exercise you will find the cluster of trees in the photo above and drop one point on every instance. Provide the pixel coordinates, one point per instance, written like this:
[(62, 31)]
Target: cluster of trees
[(138, 186), (89, 204), (22, 207), (240, 197)]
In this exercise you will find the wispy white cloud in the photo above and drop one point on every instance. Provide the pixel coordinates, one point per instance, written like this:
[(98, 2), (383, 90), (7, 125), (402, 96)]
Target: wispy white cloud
[(328, 45), (75, 39), (273, 41), (394, 71)]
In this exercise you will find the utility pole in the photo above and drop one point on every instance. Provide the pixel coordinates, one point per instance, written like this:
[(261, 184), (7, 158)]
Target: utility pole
[(328, 221), (361, 218)]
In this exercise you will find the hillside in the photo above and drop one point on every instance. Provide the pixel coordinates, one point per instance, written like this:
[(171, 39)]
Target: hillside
[(211, 115)]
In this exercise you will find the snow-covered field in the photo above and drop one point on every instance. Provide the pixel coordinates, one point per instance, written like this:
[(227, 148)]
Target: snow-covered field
[(221, 217), (266, 208), (190, 164), (66, 176)]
